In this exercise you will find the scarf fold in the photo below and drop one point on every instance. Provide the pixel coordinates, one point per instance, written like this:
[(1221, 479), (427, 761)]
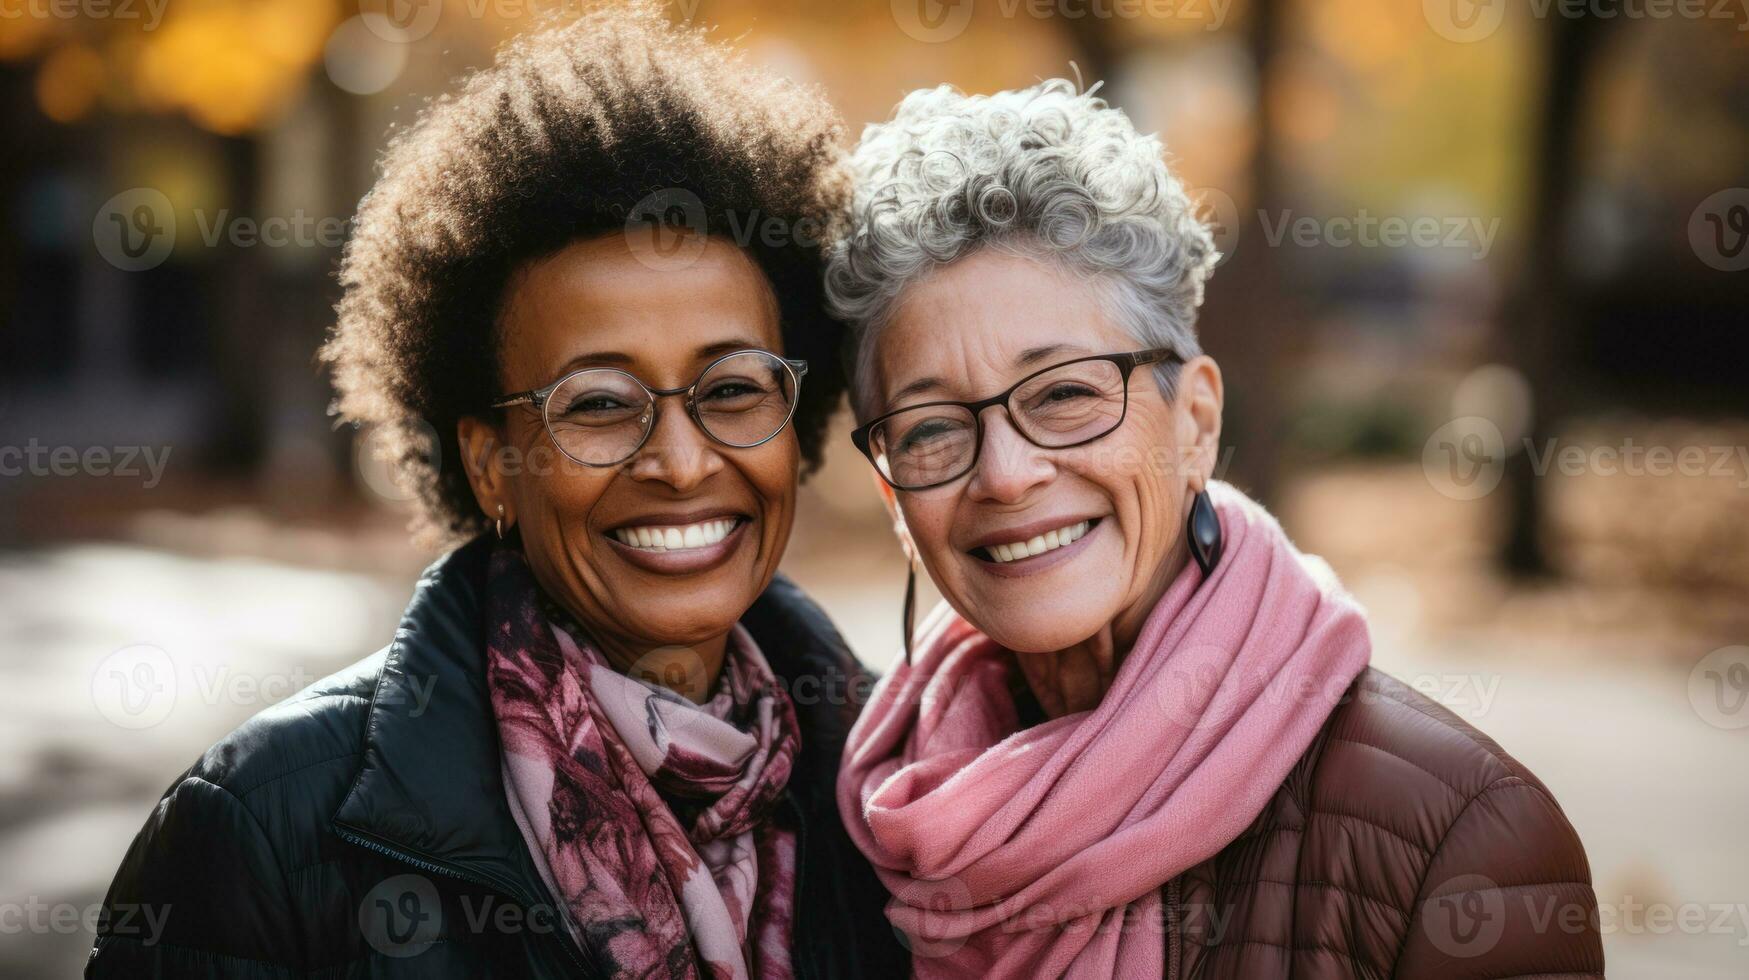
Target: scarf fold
[(649, 817), (1042, 852)]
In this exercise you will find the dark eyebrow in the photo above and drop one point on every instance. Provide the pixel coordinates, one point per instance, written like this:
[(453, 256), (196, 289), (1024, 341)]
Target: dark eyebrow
[(1032, 355), (614, 358), (915, 387), (726, 347), (1028, 357)]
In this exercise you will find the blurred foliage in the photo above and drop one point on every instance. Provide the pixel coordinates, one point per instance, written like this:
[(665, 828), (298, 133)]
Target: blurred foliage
[(230, 65)]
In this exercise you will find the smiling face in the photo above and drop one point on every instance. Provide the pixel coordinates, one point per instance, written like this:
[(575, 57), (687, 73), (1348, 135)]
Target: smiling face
[(1042, 548), (671, 546)]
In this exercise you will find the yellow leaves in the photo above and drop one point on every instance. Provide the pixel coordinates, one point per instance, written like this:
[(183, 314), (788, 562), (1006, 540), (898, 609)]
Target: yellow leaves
[(232, 65), (69, 82)]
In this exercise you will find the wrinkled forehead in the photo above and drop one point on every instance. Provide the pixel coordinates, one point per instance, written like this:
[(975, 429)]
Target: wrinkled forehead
[(600, 302), (975, 327)]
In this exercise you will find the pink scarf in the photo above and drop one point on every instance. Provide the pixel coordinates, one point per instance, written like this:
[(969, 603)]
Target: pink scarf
[(647, 815), (1042, 852)]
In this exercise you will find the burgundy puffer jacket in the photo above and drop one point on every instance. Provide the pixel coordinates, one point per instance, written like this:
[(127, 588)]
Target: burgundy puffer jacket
[(1403, 844)]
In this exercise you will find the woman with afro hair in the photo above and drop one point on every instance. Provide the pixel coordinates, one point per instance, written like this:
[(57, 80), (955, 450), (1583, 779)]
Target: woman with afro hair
[(583, 305)]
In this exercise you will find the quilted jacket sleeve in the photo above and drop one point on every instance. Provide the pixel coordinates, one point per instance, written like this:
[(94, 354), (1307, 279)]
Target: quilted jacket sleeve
[(1507, 894), (199, 894)]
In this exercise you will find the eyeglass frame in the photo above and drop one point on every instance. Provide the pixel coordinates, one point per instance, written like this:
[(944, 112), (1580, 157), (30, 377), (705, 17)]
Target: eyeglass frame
[(538, 397), (1126, 363)]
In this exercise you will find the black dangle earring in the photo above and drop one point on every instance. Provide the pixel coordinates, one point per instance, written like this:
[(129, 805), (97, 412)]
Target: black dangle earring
[(1203, 532), (910, 603)]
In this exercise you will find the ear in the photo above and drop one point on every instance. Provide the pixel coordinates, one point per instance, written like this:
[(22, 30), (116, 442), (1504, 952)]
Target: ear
[(1200, 397), (482, 444), (900, 531)]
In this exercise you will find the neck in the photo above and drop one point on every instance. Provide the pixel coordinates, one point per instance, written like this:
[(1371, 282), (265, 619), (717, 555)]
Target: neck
[(689, 670), (1076, 677)]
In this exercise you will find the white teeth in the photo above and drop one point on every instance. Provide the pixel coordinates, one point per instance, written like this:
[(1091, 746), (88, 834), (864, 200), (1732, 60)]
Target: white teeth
[(1040, 543), (700, 535)]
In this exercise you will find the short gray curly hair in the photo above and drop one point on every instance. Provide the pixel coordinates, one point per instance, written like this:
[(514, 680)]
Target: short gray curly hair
[(1048, 170)]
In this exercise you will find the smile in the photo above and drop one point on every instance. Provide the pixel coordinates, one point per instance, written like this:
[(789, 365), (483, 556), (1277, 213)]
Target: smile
[(1038, 544), (686, 537)]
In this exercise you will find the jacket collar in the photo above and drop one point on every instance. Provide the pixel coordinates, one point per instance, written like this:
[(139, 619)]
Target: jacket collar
[(429, 783)]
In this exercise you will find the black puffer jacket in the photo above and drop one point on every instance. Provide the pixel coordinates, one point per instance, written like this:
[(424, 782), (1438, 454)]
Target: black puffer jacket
[(360, 828)]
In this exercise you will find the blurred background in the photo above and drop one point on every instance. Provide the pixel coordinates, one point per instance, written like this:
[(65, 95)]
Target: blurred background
[(1484, 317)]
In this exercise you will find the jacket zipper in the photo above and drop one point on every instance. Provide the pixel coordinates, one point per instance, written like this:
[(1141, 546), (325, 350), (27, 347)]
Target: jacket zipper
[(1174, 953), (801, 852), (578, 957)]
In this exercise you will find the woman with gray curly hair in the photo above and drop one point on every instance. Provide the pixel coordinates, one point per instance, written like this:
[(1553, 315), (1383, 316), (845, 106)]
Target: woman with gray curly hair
[(1141, 736)]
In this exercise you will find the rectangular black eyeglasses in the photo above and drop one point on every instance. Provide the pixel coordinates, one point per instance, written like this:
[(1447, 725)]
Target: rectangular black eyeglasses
[(1126, 364)]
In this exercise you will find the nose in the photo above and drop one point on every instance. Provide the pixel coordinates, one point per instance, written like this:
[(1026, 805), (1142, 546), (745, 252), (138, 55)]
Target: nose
[(677, 453), (1008, 465)]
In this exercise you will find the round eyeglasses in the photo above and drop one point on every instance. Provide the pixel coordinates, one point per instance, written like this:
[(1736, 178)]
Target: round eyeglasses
[(603, 416), (1064, 405)]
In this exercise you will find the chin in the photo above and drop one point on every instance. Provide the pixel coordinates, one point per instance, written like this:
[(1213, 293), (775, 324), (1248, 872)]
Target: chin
[(680, 624), (1037, 627)]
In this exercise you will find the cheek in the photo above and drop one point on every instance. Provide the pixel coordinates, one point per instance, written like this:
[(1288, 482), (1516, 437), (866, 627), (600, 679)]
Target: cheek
[(1137, 469), (554, 495), (771, 473), (928, 518), (773, 469), (566, 498)]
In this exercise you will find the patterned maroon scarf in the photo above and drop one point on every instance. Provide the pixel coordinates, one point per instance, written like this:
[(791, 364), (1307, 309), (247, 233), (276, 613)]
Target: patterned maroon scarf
[(648, 816)]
